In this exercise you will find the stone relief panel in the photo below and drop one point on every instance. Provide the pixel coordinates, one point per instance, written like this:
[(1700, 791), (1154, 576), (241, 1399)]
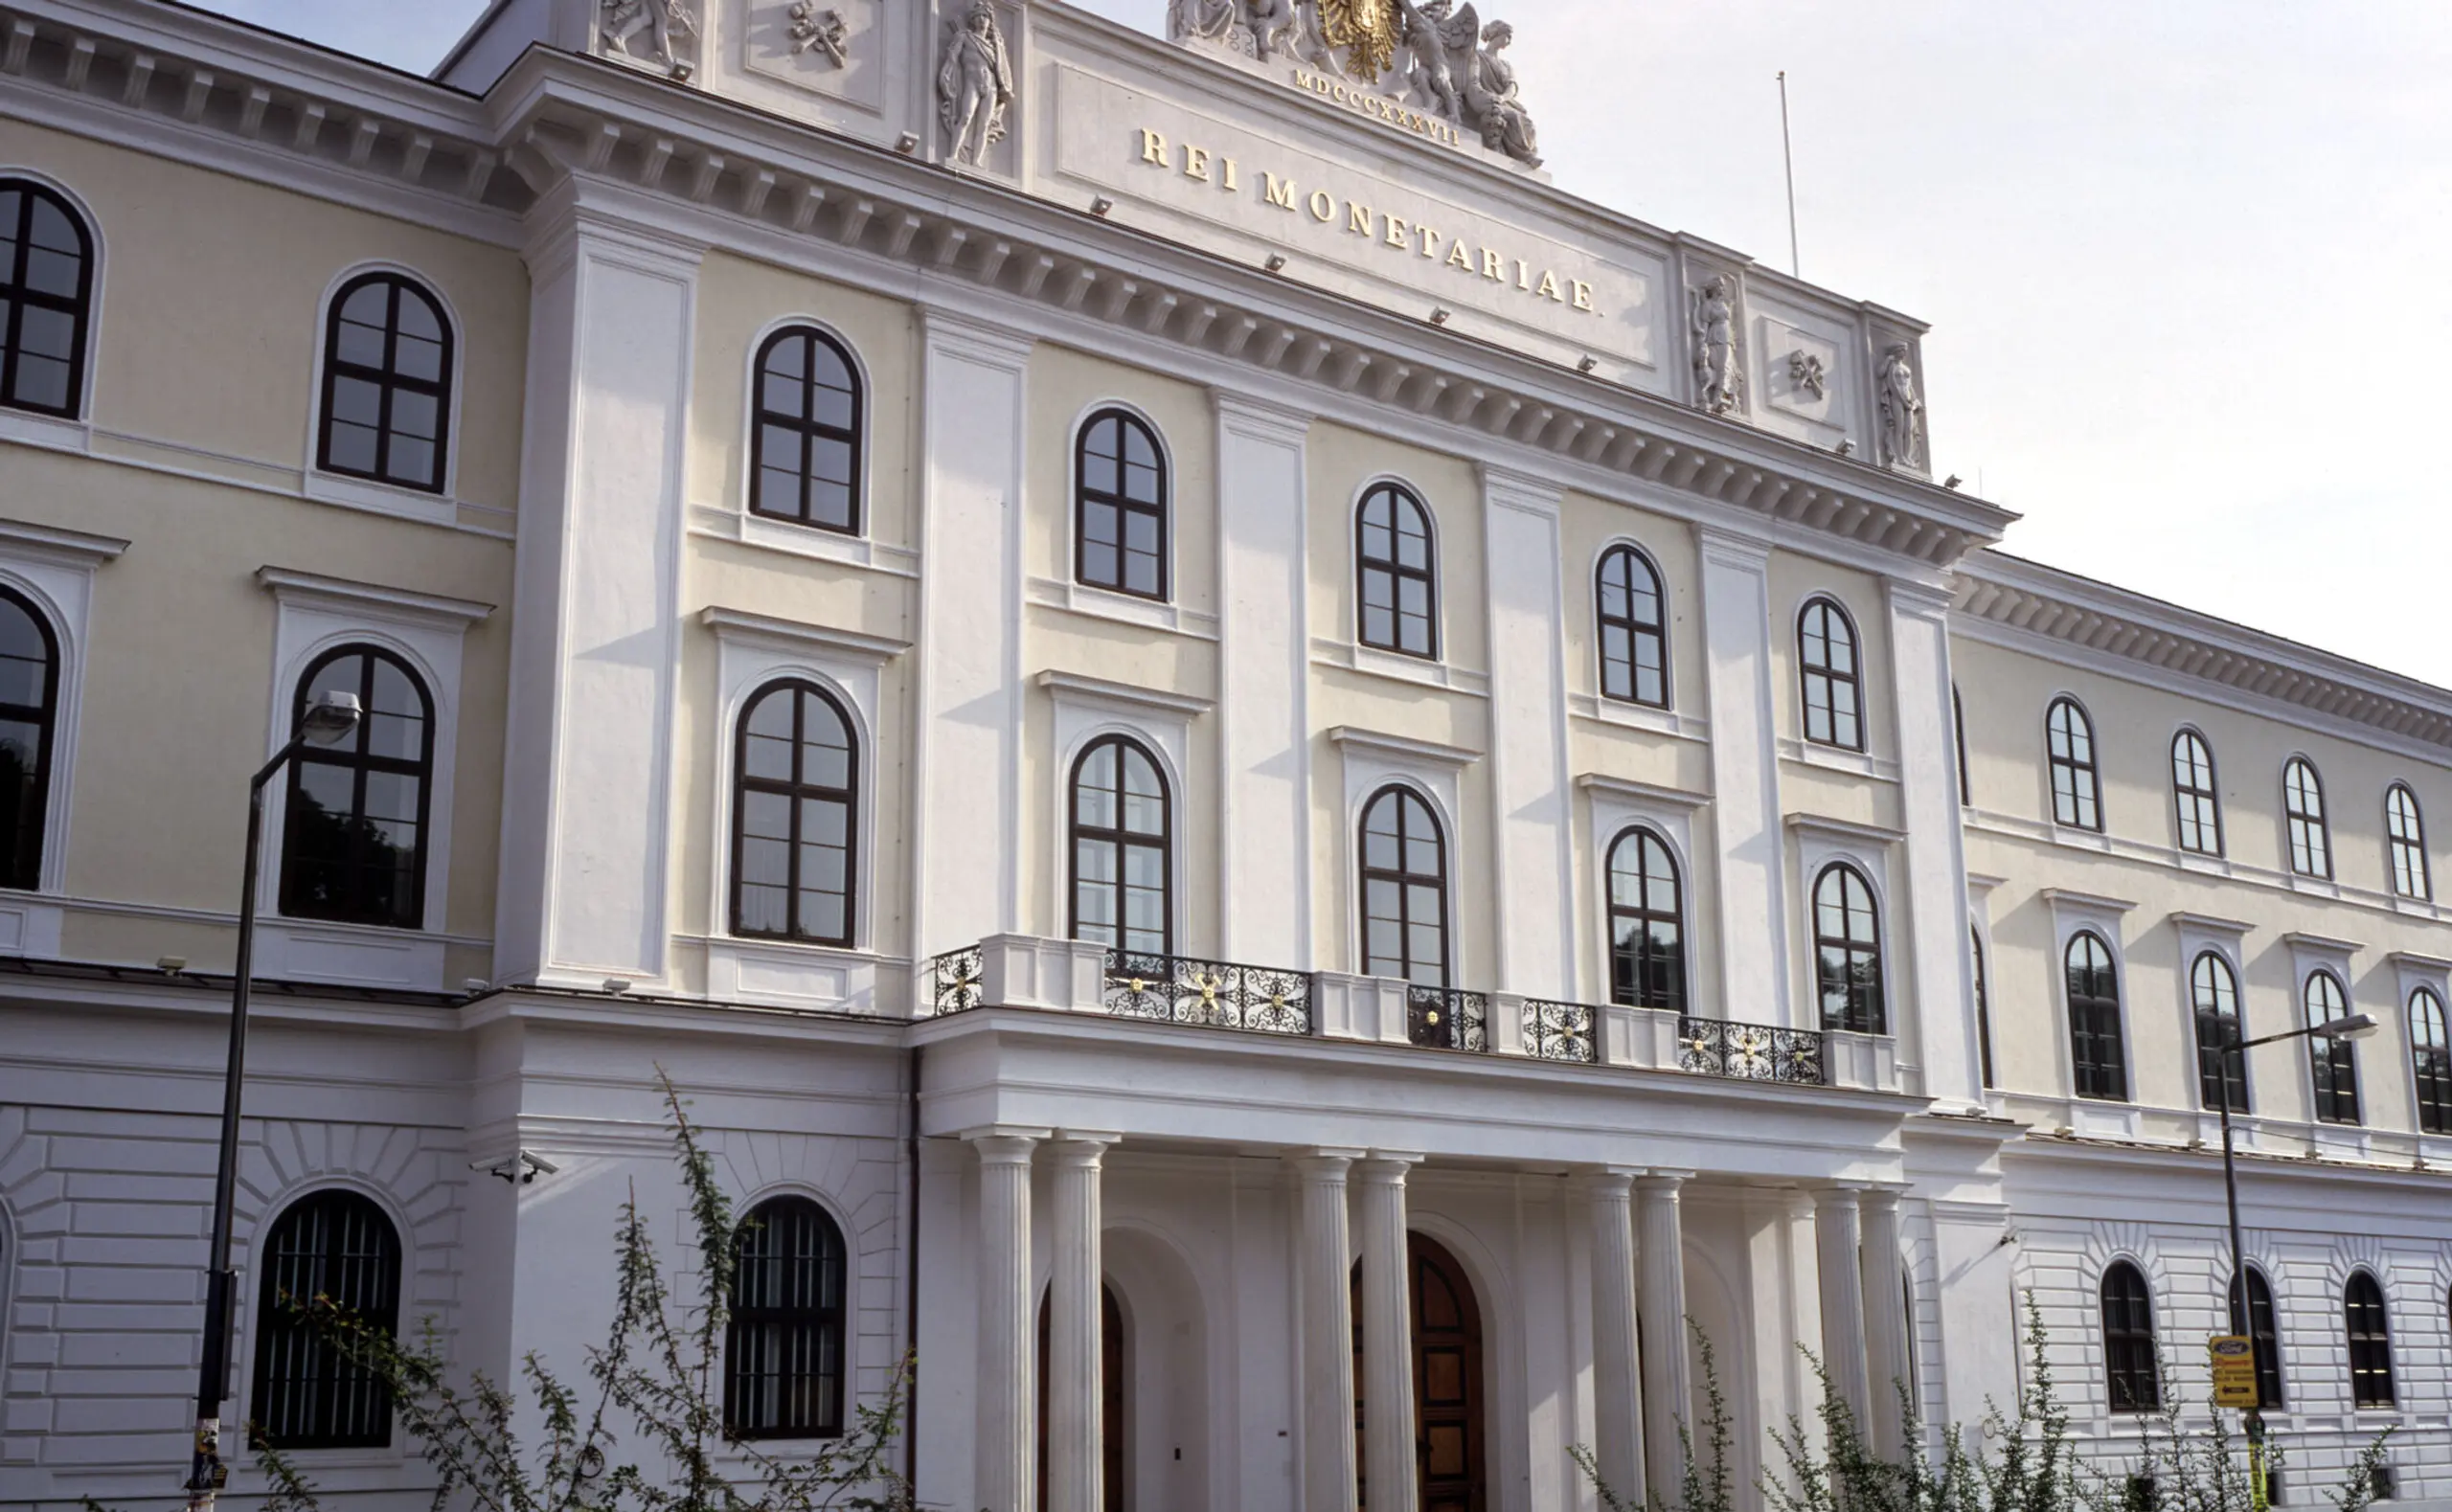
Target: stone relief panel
[(662, 34), (1801, 376), (837, 48)]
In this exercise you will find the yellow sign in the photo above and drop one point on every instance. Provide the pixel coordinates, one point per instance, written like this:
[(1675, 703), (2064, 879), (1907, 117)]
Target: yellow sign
[(2234, 1369)]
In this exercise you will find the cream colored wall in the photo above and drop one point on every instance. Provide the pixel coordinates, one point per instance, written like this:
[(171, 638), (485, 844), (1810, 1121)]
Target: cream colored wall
[(2005, 694), (1794, 579)]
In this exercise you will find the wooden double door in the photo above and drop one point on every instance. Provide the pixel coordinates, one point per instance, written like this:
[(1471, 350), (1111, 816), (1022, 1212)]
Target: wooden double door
[(1448, 1381)]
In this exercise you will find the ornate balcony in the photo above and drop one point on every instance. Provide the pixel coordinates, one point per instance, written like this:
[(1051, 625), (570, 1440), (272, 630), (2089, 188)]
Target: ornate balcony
[(1559, 1032), (1751, 1051), (1446, 1019), (1214, 994)]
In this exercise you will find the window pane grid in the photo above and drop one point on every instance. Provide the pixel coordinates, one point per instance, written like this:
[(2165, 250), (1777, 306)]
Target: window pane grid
[(1404, 889), (1634, 661), (2097, 1057), (1646, 928), (28, 696), (1826, 653), (2333, 1062), (2407, 837), (1398, 606), (2132, 1371), (2264, 1337), (339, 1247), (783, 1346), (353, 840), (1983, 1006), (46, 298), (805, 435), (1121, 506), (2076, 793), (2214, 992), (794, 814), (2303, 801), (2370, 1343), (2431, 1055), (1122, 849), (1847, 944), (387, 384)]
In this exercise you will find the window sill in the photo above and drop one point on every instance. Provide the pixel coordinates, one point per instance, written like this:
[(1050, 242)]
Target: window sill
[(380, 498), (802, 540), (1370, 662), (1102, 603), (1856, 764), (361, 954), (48, 431), (1638, 716), (784, 973)]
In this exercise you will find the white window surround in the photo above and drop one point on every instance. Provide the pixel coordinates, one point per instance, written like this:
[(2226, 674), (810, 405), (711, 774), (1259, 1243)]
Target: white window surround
[(1088, 708), (1864, 686), (1073, 504), (1980, 888), (2412, 971), (766, 530), (2225, 938), (53, 570), (1856, 764), (2311, 954), (1370, 660), (315, 615), (368, 493), (52, 430), (1820, 840), (1668, 647), (1446, 650), (753, 650), (1434, 773), (1122, 608), (2073, 914), (1638, 716), (1618, 806)]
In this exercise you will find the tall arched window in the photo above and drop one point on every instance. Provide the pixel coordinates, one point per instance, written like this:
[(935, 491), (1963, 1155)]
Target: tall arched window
[(1634, 629), (1833, 683), (2194, 794), (1404, 889), (1982, 1006), (2131, 1370), (1646, 924), (29, 698), (2302, 803), (387, 383), (2370, 1342), (1397, 564), (805, 435), (2431, 1058), (784, 1343), (2096, 1056), (2405, 834), (46, 299), (1122, 860), (796, 775), (2214, 991), (2076, 797), (354, 842), (2256, 1320), (337, 1246), (2334, 1061), (1847, 952), (1120, 505)]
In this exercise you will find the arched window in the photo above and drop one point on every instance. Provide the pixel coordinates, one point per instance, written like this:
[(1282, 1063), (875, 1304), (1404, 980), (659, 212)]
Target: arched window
[(2193, 792), (1646, 924), (2303, 800), (1398, 567), (1982, 1006), (796, 777), (338, 1246), (2256, 1321), (1120, 505), (2334, 1061), (28, 697), (46, 299), (1832, 685), (2431, 1057), (2370, 1342), (2214, 991), (387, 383), (1634, 629), (2070, 744), (784, 1343), (354, 842), (1847, 950), (1122, 860), (1958, 732), (805, 465), (1404, 889), (2131, 1368), (2095, 1053), (2406, 834)]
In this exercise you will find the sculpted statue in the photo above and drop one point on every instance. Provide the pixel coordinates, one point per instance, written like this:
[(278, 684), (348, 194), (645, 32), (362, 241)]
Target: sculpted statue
[(1492, 95), (618, 21), (1366, 28), (1718, 380), (974, 83), (1203, 18), (1902, 410)]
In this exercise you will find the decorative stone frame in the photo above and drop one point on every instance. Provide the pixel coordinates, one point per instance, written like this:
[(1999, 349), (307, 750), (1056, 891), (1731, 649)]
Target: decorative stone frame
[(1616, 805), (2201, 934), (1434, 773), (855, 547), (441, 507), (52, 430), (1089, 708), (2074, 914), (54, 571), (2412, 971), (2311, 954)]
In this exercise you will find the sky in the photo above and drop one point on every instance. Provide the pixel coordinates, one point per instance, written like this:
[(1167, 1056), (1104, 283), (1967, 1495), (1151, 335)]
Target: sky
[(2188, 262)]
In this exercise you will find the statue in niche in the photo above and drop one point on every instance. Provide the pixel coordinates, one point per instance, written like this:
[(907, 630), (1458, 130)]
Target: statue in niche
[(1717, 381), (974, 83), (1902, 410), (619, 22)]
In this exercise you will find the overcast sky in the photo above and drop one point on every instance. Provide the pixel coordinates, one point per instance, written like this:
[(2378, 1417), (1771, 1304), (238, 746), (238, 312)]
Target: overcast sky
[(2188, 262)]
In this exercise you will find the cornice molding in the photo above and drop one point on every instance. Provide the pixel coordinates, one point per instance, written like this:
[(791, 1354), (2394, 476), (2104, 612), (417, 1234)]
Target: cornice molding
[(1076, 687), (1844, 830), (291, 586), (1606, 786), (2231, 929), (2089, 902), (25, 538), (1404, 747), (741, 624)]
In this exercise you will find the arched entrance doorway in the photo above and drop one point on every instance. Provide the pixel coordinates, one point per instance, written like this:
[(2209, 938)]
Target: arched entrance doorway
[(1112, 1387), (1448, 1453)]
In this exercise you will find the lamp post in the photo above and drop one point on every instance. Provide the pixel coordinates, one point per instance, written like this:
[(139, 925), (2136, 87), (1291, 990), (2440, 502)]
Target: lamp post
[(328, 717), (2352, 1027)]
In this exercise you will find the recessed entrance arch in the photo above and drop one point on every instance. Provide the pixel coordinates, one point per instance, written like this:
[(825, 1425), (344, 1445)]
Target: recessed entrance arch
[(1449, 1452)]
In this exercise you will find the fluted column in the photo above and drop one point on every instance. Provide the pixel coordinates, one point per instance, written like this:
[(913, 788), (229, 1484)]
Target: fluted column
[(1617, 1389), (1008, 1416), (1885, 1321), (1838, 1238), (1075, 1417), (1667, 1386), (1327, 1334), (1388, 1469)]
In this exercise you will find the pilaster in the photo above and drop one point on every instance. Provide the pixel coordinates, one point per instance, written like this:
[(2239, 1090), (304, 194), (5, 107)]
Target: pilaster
[(1945, 1048), (1617, 1389), (1668, 1388), (1745, 777), (1529, 807)]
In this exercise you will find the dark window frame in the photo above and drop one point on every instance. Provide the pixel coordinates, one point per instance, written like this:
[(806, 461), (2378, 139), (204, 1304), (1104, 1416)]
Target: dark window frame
[(1957, 734), (15, 296), (808, 431), (1406, 880), (2075, 778), (1392, 569), (1627, 672), (2214, 1007), (344, 1406), (389, 381), (809, 1330), (1123, 502), (1816, 670), (2366, 1321), (2310, 834), (21, 864), (1120, 840), (2196, 797), (1645, 976), (2098, 1038), (797, 791), (2132, 1366), (2332, 1063), (1982, 1006), (2431, 1060), (354, 755), (2261, 1326), (1849, 967), (2411, 877)]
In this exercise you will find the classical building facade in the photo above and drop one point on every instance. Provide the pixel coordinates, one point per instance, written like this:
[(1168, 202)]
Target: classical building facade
[(1246, 763)]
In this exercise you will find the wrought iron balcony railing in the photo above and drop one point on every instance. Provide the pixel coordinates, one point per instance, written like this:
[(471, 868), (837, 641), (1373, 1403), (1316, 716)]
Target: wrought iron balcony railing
[(1216, 994), (1559, 1031), (1752, 1053), (1448, 1019), (955, 981)]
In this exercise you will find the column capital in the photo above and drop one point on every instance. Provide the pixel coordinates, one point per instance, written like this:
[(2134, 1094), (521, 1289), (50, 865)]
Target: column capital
[(945, 330), (1243, 415), (1324, 1162), (1388, 1167), (1082, 1147), (1000, 1145), (1612, 1180), (1840, 1194), (1882, 1197), (1663, 1183)]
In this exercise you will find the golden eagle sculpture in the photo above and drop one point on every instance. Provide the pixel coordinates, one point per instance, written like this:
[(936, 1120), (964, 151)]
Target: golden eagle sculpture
[(1367, 30)]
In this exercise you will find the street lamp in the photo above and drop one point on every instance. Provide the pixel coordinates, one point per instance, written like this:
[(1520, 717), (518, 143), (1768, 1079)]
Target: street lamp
[(2351, 1027), (328, 717)]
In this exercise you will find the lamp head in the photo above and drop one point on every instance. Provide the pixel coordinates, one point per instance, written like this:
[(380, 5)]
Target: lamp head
[(2355, 1026), (331, 717)]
